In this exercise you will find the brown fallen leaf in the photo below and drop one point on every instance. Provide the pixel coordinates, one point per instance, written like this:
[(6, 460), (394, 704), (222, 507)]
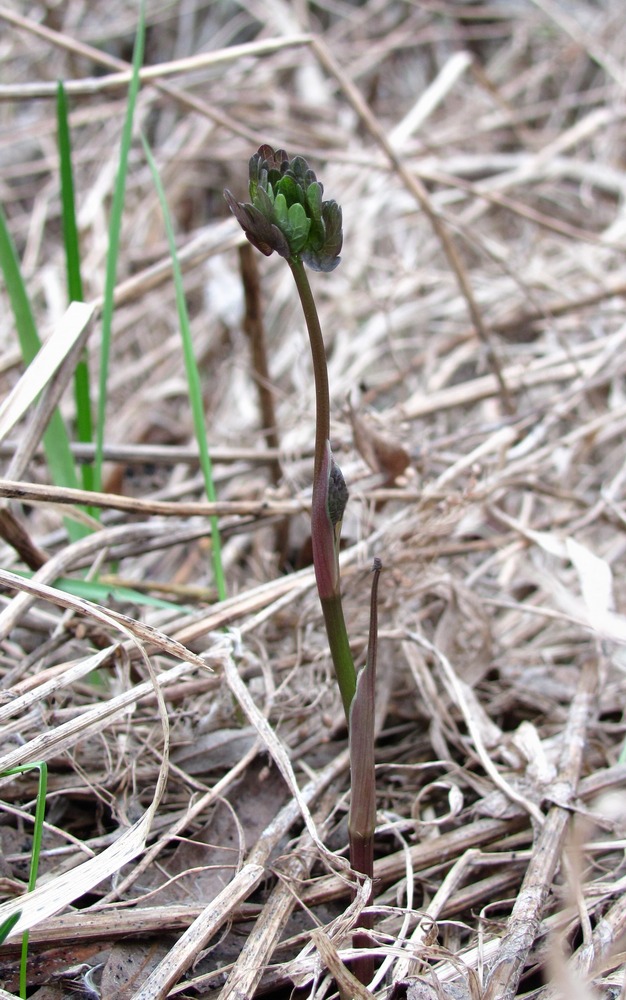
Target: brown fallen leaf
[(382, 452), (129, 965)]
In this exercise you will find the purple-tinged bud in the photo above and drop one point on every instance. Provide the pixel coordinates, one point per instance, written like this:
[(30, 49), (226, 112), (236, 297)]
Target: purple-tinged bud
[(286, 212), (337, 494), (330, 495)]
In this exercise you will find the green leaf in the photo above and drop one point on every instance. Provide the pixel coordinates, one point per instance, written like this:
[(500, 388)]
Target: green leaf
[(332, 216), (103, 593), (264, 204), (55, 439), (325, 257), (7, 925), (82, 390), (18, 296), (70, 228), (299, 226), (35, 851), (281, 213), (314, 201), (301, 171), (290, 190)]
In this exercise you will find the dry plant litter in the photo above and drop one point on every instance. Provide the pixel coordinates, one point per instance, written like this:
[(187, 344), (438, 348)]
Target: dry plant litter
[(195, 829)]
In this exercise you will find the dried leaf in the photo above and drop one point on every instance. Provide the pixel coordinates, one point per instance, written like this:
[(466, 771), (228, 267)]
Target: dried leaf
[(128, 965), (426, 991), (382, 452), (349, 987), (218, 750)]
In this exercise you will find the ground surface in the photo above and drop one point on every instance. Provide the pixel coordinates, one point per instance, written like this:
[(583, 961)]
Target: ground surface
[(476, 337)]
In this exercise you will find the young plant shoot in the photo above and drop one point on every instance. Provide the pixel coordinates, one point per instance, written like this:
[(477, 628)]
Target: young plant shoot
[(287, 214)]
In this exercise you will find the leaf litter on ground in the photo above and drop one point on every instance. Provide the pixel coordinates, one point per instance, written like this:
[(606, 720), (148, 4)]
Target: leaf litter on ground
[(475, 339)]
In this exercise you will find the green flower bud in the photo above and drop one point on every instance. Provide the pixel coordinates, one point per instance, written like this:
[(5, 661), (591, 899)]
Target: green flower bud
[(286, 212)]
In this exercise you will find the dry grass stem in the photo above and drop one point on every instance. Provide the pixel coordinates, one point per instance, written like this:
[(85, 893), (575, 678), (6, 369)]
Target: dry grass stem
[(195, 835)]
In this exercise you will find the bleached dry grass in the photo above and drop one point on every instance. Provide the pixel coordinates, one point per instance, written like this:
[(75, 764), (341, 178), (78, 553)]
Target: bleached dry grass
[(476, 325)]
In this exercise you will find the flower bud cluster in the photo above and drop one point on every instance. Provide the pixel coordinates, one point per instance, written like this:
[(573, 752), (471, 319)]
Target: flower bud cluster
[(286, 212)]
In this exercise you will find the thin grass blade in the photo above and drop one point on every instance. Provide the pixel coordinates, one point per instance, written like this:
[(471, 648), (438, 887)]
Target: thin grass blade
[(193, 376), (55, 439), (40, 811), (102, 592), (68, 205), (7, 925), (82, 388)]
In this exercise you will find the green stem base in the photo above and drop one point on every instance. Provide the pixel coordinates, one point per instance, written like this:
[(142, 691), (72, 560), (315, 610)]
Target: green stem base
[(340, 650)]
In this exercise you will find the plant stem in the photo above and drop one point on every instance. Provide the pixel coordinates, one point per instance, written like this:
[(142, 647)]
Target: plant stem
[(322, 530), (340, 649), (320, 370)]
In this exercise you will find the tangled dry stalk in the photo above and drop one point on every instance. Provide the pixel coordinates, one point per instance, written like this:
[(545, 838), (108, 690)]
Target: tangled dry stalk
[(476, 333)]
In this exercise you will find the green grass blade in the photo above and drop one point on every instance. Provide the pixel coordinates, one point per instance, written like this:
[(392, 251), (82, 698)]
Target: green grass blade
[(40, 812), (70, 229), (103, 593), (82, 391), (7, 925), (115, 227), (193, 377), (55, 439), (24, 321)]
